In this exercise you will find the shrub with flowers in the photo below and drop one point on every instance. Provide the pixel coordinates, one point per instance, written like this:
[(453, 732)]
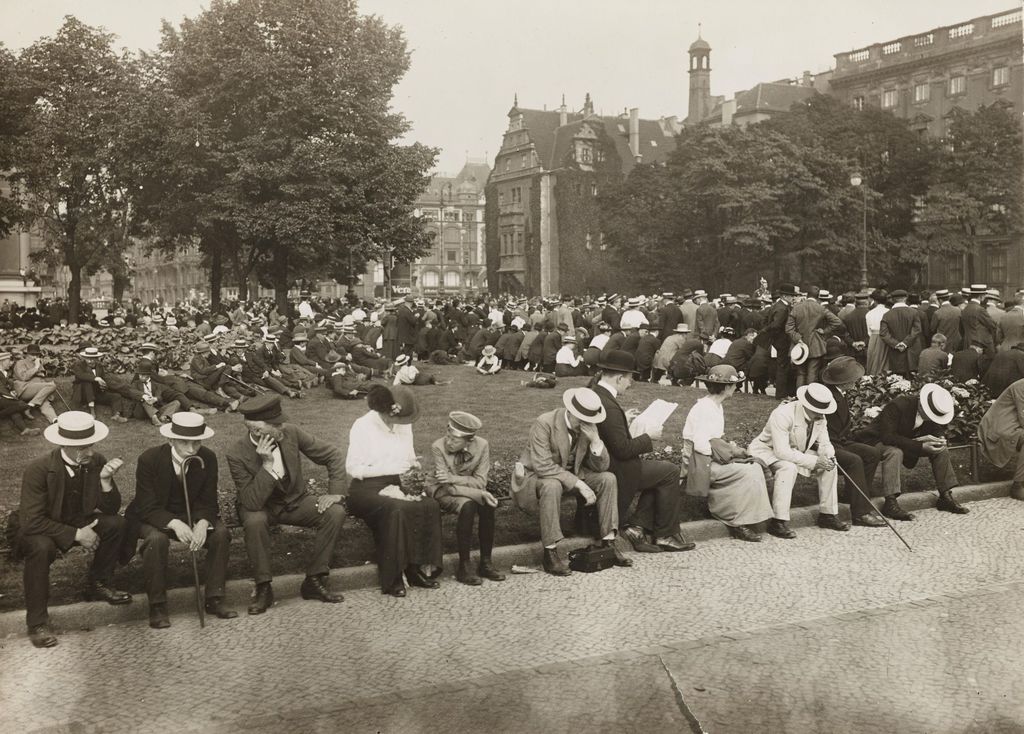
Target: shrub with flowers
[(873, 392)]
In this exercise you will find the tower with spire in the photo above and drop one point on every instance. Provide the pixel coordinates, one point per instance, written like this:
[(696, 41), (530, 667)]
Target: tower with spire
[(700, 80)]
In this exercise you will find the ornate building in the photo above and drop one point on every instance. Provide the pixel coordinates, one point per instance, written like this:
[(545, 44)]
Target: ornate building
[(542, 219)]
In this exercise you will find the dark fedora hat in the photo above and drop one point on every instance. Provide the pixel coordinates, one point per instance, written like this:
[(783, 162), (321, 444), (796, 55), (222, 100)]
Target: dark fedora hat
[(842, 370), (786, 289), (617, 360)]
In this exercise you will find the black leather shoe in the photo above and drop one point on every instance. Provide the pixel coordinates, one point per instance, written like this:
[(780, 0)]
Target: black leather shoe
[(555, 564), (832, 522), (638, 539), (780, 529), (42, 636), (946, 503), (620, 560), (467, 577), (313, 587), (215, 606), (742, 532), (1017, 491), (158, 618), (263, 598), (99, 591), (892, 510), (675, 543), (397, 590), (415, 577), (870, 520), (489, 572)]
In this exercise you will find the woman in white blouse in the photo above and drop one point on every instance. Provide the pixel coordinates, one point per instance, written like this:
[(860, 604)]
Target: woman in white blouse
[(719, 470), (406, 529)]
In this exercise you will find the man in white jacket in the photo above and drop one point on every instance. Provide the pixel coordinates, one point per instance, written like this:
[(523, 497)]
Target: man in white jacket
[(795, 441)]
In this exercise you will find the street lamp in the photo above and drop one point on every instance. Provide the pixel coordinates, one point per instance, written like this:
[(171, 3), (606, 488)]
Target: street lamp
[(856, 180)]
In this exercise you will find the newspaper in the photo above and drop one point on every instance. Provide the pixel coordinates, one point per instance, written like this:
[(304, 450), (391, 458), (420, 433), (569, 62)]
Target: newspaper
[(653, 417)]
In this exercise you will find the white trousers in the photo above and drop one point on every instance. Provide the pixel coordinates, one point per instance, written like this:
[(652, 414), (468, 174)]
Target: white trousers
[(782, 488)]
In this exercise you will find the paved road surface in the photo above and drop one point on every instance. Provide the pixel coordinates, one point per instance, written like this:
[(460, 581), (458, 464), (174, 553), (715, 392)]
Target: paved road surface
[(831, 632)]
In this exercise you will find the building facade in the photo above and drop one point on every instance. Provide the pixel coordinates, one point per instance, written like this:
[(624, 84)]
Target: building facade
[(542, 218)]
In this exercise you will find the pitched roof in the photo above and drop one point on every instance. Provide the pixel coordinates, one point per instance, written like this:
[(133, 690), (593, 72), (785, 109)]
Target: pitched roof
[(770, 97), (655, 144)]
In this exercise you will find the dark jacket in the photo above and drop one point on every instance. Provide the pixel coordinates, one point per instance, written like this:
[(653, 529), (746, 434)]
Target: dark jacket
[(978, 326), (894, 426), (945, 320), (624, 452), (42, 497), (408, 325), (1006, 368), (155, 481)]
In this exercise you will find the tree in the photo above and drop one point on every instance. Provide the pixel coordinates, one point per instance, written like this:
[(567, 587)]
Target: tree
[(977, 186), (66, 159), (286, 105), (14, 108)]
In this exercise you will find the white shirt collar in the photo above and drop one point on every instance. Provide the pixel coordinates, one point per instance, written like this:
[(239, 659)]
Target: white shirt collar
[(68, 463), (609, 388), (899, 305)]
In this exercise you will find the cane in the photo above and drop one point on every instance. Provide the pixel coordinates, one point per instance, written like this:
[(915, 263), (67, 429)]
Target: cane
[(889, 524), (188, 516), (57, 391)]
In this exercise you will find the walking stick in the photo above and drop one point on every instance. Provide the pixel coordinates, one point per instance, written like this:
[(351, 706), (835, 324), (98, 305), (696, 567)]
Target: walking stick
[(57, 391), (886, 521), (188, 516)]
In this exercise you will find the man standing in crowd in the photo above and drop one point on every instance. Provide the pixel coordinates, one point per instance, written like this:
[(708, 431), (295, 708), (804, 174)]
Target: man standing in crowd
[(811, 323)]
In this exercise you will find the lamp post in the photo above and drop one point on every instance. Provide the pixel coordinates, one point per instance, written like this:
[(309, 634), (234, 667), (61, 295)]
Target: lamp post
[(856, 180)]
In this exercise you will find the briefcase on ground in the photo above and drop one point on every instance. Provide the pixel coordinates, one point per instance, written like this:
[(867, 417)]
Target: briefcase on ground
[(592, 558)]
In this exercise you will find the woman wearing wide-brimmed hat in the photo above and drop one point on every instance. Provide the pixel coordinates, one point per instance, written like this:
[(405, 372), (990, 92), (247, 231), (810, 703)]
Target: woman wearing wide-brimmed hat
[(720, 470), (406, 529)]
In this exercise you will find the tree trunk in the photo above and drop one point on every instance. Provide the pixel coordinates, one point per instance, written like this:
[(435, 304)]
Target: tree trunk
[(119, 282), (280, 279), (216, 277), (74, 292)]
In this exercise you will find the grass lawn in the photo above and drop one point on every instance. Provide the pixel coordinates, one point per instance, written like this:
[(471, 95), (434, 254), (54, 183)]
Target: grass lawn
[(505, 407)]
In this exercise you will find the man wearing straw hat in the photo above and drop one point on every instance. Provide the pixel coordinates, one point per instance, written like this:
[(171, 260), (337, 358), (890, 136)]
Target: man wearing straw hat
[(159, 514), (29, 384), (795, 441), (90, 385), (69, 497), (565, 453), (11, 407)]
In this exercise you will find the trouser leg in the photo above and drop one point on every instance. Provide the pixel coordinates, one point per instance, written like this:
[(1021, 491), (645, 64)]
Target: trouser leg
[(549, 501), (942, 470), (110, 528), (605, 487), (39, 552), (328, 526), (486, 529), (464, 530), (218, 541), (782, 488), (46, 408), (859, 461), (828, 492), (657, 509), (1018, 471), (256, 528), (813, 369), (274, 384), (892, 461), (155, 546)]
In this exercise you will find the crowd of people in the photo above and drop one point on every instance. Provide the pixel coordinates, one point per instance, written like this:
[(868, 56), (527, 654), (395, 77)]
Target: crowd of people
[(246, 357)]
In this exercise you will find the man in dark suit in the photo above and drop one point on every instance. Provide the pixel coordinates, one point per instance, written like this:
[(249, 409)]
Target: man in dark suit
[(69, 497), (901, 333), (668, 316), (408, 325), (565, 453), (266, 466), (857, 459), (654, 483), (1010, 329), (157, 401), (945, 319), (775, 329), (910, 428), (1004, 370), (969, 363), (159, 513), (90, 385), (978, 326)]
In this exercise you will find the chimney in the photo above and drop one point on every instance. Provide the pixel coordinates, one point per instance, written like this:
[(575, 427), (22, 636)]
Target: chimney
[(808, 79), (563, 113), (634, 133)]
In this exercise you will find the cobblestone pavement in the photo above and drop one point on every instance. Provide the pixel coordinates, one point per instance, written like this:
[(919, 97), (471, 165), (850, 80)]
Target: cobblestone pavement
[(830, 632)]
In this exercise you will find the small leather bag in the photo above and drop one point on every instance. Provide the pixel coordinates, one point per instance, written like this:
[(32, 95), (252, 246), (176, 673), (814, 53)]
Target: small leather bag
[(592, 558)]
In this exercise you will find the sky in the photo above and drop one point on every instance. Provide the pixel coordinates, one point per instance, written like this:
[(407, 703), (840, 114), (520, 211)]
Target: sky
[(471, 57)]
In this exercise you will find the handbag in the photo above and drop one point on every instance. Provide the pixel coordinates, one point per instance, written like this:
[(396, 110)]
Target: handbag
[(591, 559)]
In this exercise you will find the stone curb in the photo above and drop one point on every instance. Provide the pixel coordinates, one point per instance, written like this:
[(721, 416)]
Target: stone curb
[(89, 615)]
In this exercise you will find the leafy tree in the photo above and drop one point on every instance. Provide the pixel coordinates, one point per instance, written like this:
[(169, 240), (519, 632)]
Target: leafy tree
[(14, 107), (292, 168), (977, 186), (66, 161)]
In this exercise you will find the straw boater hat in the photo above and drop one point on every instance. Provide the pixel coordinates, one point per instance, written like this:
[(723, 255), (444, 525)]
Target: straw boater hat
[(75, 428), (211, 337), (463, 424), (300, 336), (187, 425), (240, 344), (817, 398), (149, 347), (91, 353), (682, 328), (799, 353), (5, 355), (723, 374), (568, 338), (585, 404), (401, 360), (937, 404)]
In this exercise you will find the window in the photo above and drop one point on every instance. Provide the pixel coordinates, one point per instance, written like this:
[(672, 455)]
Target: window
[(955, 270), (378, 273), (430, 279), (467, 258), (501, 198), (921, 92), (588, 243), (957, 85), (599, 155), (603, 244), (522, 161), (593, 189), (889, 99), (1000, 76), (997, 266), (858, 103), (508, 165), (519, 243), (451, 279), (470, 280), (451, 215), (452, 256), (585, 154)]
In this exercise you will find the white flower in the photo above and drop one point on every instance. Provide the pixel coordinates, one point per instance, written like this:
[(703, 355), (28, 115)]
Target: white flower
[(971, 382), (873, 411), (894, 378), (901, 385), (668, 449), (960, 392), (866, 378)]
